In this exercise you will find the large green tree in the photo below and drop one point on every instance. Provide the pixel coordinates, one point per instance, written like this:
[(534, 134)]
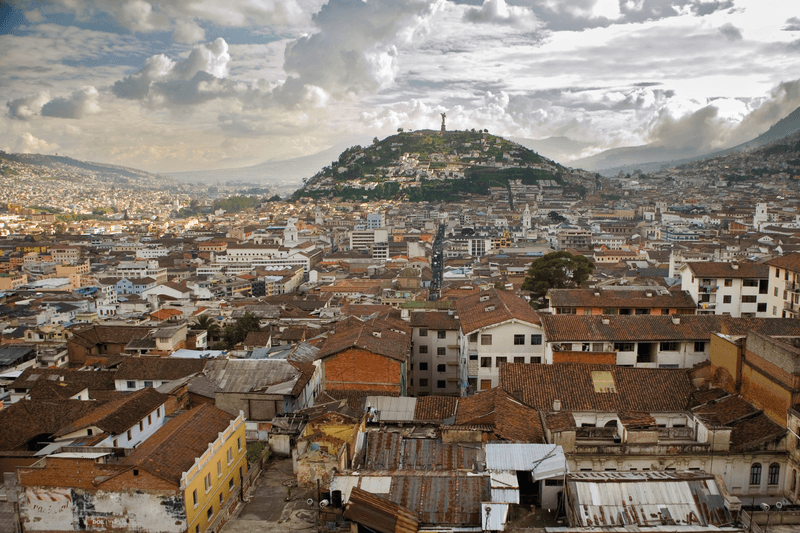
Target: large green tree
[(556, 270), (209, 324), (236, 333)]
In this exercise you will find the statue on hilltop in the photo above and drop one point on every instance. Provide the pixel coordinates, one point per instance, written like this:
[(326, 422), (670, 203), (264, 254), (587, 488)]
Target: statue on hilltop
[(444, 115)]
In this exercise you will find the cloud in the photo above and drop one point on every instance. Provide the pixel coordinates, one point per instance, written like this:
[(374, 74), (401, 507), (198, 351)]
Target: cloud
[(188, 31), (79, 104), (198, 78), (28, 144), (498, 12), (792, 24), (28, 107), (34, 15), (731, 32)]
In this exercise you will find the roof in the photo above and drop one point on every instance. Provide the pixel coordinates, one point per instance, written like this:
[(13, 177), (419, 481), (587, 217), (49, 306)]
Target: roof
[(252, 375), (434, 320), (393, 409), (510, 419), (25, 420), (389, 450), (567, 328), (157, 368), (706, 269), (750, 427), (487, 308), (607, 499), (96, 334), (116, 417), (577, 385), (33, 378), (172, 450), (374, 335), (789, 261), (542, 460), (379, 514), (435, 408), (457, 498), (659, 298)]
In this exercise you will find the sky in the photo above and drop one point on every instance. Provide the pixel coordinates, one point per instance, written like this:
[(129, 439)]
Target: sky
[(179, 85)]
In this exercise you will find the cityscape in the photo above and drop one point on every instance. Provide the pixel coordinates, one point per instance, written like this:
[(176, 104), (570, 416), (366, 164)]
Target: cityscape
[(333, 266)]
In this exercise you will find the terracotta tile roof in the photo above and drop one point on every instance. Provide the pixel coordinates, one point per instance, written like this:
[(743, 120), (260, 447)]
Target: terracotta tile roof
[(491, 307), (636, 420), (726, 410), (172, 449), (621, 298), (704, 269), (117, 416), (511, 419), (158, 368), (437, 408), (560, 420), (750, 427), (97, 334), (33, 377), (374, 335), (789, 261), (565, 328), (28, 419), (257, 338), (580, 387), (434, 320)]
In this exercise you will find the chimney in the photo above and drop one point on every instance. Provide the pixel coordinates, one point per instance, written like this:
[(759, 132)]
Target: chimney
[(606, 321), (676, 319), (556, 405), (376, 334), (735, 265), (649, 294)]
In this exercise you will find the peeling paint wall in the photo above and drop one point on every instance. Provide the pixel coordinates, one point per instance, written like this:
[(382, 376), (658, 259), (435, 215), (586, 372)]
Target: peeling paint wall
[(61, 509)]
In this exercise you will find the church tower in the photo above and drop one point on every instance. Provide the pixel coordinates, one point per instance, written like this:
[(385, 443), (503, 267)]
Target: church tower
[(526, 217)]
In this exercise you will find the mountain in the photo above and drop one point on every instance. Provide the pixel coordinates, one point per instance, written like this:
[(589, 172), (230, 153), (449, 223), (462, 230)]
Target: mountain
[(116, 175), (281, 176), (650, 158), (428, 165)]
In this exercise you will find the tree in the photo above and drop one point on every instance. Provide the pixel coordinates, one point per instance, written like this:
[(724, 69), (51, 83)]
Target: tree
[(375, 140), (237, 333), (399, 130), (555, 217), (209, 324), (556, 270)]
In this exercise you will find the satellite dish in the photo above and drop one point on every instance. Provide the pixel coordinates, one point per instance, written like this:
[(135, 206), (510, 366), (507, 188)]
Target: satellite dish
[(323, 503), (779, 506)]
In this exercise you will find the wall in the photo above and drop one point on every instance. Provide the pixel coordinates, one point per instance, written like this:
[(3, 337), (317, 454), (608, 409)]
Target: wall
[(726, 363), (255, 406), (769, 378), (604, 358), (357, 369)]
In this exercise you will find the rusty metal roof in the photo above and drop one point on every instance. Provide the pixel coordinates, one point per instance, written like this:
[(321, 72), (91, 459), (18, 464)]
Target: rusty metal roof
[(390, 451), (446, 499), (379, 514)]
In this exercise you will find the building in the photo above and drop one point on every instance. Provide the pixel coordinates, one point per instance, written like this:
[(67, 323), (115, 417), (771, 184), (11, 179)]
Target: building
[(435, 354), (733, 289), (496, 328), (784, 286), (631, 300)]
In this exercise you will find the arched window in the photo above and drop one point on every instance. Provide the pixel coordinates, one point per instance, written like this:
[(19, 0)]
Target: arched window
[(755, 474), (773, 473)]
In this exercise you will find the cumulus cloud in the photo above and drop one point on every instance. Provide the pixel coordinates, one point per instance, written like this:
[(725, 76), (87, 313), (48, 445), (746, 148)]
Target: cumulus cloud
[(355, 49), (188, 31), (198, 78), (498, 12), (27, 107), (77, 105), (34, 15), (731, 32), (792, 24), (28, 144)]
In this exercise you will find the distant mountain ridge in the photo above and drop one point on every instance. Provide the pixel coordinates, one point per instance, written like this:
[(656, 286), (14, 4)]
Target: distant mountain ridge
[(648, 158)]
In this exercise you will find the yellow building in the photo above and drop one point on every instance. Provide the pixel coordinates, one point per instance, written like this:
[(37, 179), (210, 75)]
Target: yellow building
[(213, 483)]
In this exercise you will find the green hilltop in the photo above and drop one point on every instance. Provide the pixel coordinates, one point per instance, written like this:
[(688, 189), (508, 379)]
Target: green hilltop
[(429, 165)]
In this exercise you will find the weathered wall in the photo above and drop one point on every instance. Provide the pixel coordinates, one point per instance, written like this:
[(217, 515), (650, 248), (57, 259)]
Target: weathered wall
[(768, 380), (602, 358), (257, 407), (357, 369), (726, 363), (62, 509)]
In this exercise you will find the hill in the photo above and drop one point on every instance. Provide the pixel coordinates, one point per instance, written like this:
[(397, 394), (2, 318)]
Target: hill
[(650, 158), (428, 165)]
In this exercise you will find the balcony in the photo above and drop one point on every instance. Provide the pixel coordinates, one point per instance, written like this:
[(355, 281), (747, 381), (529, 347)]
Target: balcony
[(793, 287), (473, 347), (675, 434), (590, 433)]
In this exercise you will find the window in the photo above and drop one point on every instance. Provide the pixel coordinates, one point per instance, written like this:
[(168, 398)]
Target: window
[(207, 482), (132, 384), (89, 432), (116, 443), (749, 283), (210, 513), (755, 474), (423, 332), (486, 340), (726, 299), (473, 357), (642, 311), (486, 362), (129, 435), (623, 346), (135, 471), (440, 384), (536, 340), (519, 340), (775, 292), (194, 497), (148, 384), (219, 468), (670, 346), (440, 368), (149, 419), (441, 350), (423, 382), (239, 443), (499, 361), (230, 484), (230, 455), (777, 274), (773, 474), (519, 359), (141, 425), (729, 282), (441, 334), (536, 360), (423, 366), (220, 499), (762, 308), (699, 346), (423, 348)]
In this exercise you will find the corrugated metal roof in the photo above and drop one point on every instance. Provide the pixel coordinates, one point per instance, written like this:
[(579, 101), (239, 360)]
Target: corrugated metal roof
[(544, 460), (390, 451), (393, 409), (445, 499), (645, 500), (379, 514), (244, 375), (494, 516)]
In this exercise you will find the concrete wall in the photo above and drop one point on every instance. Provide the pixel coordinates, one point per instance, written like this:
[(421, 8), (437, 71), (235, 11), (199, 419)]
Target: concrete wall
[(258, 407), (726, 362), (768, 375)]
